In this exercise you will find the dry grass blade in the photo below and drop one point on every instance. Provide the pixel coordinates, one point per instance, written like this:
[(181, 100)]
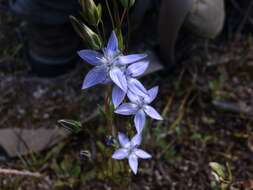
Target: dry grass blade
[(19, 173)]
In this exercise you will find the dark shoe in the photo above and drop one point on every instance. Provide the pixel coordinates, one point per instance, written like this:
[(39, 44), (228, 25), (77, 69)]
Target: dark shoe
[(202, 19), (51, 50), (50, 40)]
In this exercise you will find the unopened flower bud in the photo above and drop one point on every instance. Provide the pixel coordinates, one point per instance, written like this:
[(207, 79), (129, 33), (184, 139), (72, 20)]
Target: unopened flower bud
[(90, 37), (218, 170), (127, 3), (91, 12)]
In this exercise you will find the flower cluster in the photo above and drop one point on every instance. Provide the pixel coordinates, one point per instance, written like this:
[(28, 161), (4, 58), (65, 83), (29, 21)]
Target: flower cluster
[(111, 66)]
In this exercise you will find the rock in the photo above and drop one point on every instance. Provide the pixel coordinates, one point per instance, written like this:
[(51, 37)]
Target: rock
[(16, 142)]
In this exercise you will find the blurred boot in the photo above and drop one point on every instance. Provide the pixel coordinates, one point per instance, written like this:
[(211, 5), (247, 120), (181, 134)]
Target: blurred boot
[(51, 12), (51, 50), (51, 43), (202, 18), (172, 16)]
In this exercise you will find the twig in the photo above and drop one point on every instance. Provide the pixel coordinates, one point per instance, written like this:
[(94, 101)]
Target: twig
[(19, 173), (232, 107), (166, 109)]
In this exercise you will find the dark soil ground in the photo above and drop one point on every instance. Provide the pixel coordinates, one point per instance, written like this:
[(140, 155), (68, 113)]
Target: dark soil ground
[(207, 103)]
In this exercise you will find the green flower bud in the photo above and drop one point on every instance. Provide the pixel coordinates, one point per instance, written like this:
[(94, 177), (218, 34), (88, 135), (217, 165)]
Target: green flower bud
[(90, 12), (91, 38), (218, 170), (127, 3)]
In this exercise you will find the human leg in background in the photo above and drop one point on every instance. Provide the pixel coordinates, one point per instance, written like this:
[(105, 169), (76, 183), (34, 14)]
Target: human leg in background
[(51, 41)]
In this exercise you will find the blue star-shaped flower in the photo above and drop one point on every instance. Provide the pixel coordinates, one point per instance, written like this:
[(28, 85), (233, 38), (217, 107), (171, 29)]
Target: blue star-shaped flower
[(109, 66), (130, 150), (139, 106), (132, 71)]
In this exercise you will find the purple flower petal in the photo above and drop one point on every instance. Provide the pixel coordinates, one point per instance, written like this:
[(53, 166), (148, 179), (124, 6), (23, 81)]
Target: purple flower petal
[(107, 80), (91, 57), (142, 154), (118, 96), (137, 69), (152, 94), (95, 76), (128, 59), (133, 97), (112, 46), (139, 121), (127, 109), (135, 86), (152, 112), (123, 140), (136, 140), (118, 78), (120, 154), (133, 163)]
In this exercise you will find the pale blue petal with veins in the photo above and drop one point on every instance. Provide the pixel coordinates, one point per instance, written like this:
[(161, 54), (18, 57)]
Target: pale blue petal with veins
[(133, 70), (139, 106), (129, 150), (128, 59), (118, 96), (113, 63)]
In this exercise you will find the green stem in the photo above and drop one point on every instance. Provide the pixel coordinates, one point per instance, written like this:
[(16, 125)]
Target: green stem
[(128, 30), (103, 30), (112, 168), (123, 16), (116, 15), (110, 13), (99, 34), (109, 112), (130, 181)]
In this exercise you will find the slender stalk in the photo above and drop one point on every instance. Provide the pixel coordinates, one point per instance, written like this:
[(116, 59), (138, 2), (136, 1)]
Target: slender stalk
[(99, 34), (116, 13), (109, 112), (128, 29), (111, 127), (111, 123), (110, 13), (123, 16), (130, 181), (103, 29), (113, 175)]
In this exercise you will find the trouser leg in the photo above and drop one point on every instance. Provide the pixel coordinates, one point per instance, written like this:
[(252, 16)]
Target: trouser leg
[(50, 12), (51, 41)]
